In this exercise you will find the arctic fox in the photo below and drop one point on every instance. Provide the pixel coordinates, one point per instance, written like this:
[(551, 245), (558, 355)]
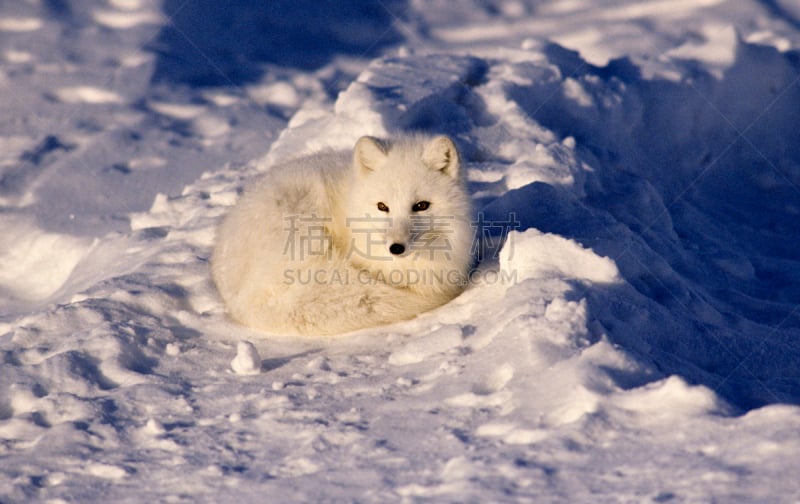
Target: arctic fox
[(340, 241)]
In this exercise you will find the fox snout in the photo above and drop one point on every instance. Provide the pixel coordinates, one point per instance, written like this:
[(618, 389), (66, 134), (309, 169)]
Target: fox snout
[(398, 237)]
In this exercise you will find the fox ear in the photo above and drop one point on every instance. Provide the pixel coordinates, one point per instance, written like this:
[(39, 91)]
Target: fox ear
[(440, 154), (369, 154)]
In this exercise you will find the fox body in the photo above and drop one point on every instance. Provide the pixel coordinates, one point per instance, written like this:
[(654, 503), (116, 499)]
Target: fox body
[(339, 241)]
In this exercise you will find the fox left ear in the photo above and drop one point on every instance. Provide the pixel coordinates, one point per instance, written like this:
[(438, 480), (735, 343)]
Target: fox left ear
[(441, 154), (369, 154)]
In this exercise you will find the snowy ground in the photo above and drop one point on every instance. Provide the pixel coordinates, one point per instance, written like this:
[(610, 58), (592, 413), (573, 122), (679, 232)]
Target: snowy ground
[(635, 340)]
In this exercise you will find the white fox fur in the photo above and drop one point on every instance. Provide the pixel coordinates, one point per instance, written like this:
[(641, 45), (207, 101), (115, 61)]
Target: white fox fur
[(340, 241)]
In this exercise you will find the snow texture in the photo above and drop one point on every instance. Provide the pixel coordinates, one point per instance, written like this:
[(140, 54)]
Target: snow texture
[(632, 334)]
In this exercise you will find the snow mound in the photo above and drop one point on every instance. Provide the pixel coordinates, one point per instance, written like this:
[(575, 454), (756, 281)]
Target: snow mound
[(537, 256), (34, 264), (247, 360)]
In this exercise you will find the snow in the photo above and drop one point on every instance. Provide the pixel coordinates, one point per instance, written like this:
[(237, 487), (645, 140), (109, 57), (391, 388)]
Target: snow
[(631, 334), (247, 360)]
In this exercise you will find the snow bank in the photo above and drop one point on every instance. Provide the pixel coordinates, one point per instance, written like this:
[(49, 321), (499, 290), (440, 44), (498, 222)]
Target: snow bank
[(29, 270)]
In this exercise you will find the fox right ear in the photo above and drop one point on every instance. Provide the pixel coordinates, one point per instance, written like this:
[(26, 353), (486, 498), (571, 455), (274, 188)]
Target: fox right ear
[(369, 154), (441, 154)]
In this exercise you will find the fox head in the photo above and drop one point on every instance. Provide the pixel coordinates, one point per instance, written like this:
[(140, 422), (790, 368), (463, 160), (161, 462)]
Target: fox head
[(408, 207)]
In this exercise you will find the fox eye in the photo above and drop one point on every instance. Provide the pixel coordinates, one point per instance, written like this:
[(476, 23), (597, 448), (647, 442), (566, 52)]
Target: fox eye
[(382, 207), (421, 206)]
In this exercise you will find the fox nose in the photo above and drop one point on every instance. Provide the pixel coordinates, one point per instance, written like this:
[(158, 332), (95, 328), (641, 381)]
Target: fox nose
[(397, 248)]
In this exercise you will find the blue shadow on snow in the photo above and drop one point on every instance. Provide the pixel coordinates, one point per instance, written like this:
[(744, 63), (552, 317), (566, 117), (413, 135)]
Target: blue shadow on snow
[(219, 43), (695, 194)]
